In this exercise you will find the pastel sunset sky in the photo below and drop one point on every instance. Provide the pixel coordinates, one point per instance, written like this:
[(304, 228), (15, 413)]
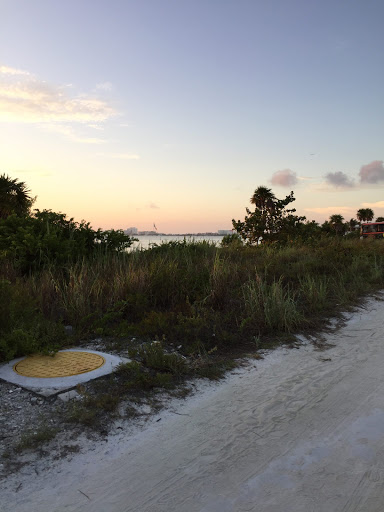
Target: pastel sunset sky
[(134, 112)]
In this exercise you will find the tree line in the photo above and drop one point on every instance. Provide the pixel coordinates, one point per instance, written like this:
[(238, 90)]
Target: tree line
[(272, 221), (33, 239)]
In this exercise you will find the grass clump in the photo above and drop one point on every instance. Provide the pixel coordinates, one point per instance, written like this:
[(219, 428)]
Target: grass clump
[(33, 440), (153, 356), (157, 370)]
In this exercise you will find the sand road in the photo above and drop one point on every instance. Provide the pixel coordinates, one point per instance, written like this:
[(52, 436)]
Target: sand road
[(300, 431)]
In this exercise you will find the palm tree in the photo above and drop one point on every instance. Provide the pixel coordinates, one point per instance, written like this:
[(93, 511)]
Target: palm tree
[(263, 198), (14, 197), (352, 224), (337, 223), (365, 214)]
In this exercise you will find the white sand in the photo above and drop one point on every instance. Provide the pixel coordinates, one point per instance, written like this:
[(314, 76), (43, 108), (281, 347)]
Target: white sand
[(291, 433)]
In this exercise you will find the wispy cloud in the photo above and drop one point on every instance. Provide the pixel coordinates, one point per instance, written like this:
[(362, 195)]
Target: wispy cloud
[(284, 178), (5, 70), (96, 126), (27, 99), (339, 179), (378, 204), (305, 178), (120, 156), (73, 134), (330, 210), (37, 172), (372, 173), (150, 205), (105, 86)]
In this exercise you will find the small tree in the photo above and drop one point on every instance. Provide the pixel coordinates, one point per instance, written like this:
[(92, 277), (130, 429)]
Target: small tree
[(233, 240), (380, 219), (308, 231), (271, 221)]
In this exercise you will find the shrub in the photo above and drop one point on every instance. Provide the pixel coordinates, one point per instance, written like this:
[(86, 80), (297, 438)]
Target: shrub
[(49, 238), (23, 328)]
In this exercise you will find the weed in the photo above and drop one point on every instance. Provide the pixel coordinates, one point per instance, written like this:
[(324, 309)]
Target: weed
[(31, 440), (153, 356), (134, 376)]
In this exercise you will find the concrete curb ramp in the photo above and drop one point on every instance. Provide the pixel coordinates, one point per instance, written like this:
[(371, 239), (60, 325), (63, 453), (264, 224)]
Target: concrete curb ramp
[(68, 368)]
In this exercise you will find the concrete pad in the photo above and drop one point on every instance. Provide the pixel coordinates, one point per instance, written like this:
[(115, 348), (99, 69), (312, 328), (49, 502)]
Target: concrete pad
[(69, 395), (55, 385)]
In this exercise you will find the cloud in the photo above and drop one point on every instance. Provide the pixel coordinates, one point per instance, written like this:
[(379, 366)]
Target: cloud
[(284, 178), (27, 99), (305, 178), (71, 134), (37, 172), (339, 179), (151, 205), (120, 156), (125, 156), (330, 210), (378, 204), (12, 71), (372, 173), (105, 86), (96, 126)]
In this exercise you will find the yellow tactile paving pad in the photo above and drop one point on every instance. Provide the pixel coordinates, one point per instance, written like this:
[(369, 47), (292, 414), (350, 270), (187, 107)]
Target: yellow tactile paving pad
[(62, 364)]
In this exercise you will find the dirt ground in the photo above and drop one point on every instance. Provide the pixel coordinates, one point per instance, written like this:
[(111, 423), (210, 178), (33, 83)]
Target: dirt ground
[(299, 431)]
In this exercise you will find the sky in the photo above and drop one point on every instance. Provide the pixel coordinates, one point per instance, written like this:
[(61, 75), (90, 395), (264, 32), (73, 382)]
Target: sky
[(172, 112)]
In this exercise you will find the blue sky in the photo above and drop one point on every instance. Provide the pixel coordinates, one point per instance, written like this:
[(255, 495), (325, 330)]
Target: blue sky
[(129, 113)]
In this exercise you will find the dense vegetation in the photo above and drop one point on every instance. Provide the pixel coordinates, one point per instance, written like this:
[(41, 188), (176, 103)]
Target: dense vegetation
[(195, 294), (56, 272)]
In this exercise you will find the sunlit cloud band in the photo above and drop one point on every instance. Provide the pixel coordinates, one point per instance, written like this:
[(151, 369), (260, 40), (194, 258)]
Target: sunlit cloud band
[(24, 98)]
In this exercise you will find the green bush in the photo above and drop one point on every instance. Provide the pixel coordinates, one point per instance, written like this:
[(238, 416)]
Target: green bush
[(153, 355), (47, 238), (233, 240), (23, 328)]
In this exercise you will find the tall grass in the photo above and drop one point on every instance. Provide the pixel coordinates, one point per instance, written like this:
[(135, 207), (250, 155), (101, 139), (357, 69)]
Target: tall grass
[(194, 294)]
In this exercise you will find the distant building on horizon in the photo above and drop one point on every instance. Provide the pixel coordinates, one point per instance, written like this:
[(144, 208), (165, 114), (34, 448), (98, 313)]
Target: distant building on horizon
[(148, 233), (225, 231), (131, 231)]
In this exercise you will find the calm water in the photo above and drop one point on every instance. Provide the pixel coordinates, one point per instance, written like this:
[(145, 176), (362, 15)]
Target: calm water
[(146, 241)]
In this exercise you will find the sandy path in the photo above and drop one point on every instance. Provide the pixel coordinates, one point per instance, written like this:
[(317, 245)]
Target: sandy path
[(292, 433)]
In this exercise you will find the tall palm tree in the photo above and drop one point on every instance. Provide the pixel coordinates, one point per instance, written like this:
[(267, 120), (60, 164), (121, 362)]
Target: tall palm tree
[(14, 197), (365, 214), (263, 198)]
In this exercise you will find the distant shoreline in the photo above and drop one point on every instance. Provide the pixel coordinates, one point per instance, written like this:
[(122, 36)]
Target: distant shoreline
[(145, 241), (178, 234)]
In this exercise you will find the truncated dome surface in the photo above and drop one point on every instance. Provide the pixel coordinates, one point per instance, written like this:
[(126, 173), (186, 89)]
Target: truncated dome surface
[(62, 364)]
